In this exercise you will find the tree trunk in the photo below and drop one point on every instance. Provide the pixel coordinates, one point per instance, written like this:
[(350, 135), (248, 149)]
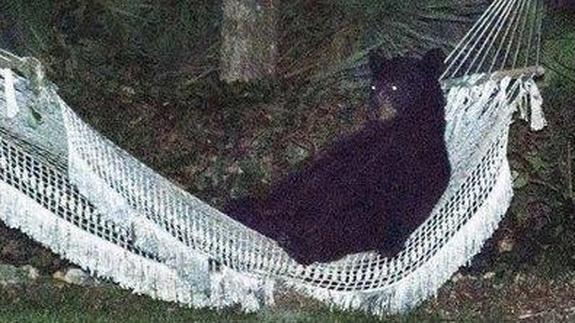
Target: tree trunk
[(249, 42)]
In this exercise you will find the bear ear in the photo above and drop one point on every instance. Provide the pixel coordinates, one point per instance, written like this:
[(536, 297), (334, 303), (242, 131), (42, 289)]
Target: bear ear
[(377, 61), (433, 62)]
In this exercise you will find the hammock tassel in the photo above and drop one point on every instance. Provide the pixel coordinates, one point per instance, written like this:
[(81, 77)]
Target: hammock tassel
[(538, 121), (9, 93), (190, 265)]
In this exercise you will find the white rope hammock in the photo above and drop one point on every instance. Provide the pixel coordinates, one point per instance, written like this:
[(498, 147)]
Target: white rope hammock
[(76, 192)]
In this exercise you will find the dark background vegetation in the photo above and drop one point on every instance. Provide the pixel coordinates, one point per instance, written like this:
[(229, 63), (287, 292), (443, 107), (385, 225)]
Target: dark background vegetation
[(145, 73)]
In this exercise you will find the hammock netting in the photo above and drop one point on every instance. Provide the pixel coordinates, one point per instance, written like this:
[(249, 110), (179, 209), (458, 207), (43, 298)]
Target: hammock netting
[(79, 194)]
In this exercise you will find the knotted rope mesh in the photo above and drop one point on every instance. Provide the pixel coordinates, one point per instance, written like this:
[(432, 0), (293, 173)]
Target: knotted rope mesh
[(73, 190)]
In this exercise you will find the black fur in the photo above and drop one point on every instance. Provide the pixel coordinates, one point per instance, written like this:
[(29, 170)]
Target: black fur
[(370, 190)]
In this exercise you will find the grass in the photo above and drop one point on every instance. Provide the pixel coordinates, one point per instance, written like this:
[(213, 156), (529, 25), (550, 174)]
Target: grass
[(49, 302)]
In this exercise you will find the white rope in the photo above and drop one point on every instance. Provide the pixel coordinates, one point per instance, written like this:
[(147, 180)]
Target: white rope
[(490, 16), (513, 38), (472, 32), (490, 38), (511, 24), (537, 118), (521, 39), (506, 34)]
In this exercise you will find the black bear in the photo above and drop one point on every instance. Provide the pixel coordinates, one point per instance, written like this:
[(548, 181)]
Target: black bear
[(370, 190)]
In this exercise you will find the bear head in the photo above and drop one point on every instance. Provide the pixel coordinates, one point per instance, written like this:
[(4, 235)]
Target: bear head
[(404, 85)]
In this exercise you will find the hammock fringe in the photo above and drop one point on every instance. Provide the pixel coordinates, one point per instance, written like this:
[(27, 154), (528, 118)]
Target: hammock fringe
[(107, 260)]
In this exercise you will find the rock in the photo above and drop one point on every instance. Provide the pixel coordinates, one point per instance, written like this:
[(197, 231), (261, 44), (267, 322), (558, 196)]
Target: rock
[(17, 276), (518, 278), (519, 179), (506, 244), (129, 91), (75, 276), (489, 275), (32, 272), (457, 277), (237, 191), (234, 169), (296, 154)]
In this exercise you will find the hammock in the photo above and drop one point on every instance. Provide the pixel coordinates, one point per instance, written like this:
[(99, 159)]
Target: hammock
[(74, 191)]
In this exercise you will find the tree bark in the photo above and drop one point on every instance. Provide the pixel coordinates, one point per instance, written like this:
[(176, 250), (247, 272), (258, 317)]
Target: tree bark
[(249, 40)]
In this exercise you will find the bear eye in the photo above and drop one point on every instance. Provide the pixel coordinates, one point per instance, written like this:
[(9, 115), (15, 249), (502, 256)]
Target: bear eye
[(373, 87), (394, 88)]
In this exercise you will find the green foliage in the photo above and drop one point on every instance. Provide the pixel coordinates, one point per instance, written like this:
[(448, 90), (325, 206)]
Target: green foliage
[(160, 31), (370, 11), (559, 58), (26, 25), (48, 303), (543, 206)]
